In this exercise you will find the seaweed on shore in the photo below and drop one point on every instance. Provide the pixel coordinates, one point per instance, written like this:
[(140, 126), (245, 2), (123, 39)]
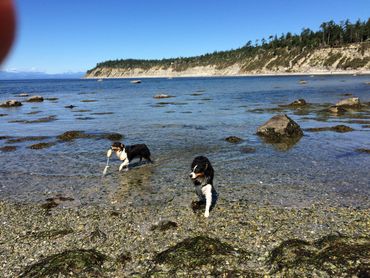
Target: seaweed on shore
[(334, 255), (76, 263)]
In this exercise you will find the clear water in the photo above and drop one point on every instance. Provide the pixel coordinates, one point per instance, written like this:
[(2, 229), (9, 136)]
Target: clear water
[(321, 167)]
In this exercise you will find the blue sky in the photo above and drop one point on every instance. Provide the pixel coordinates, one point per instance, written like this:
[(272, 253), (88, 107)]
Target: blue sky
[(73, 35)]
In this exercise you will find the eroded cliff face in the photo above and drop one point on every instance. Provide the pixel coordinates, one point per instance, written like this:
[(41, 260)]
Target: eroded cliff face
[(352, 58)]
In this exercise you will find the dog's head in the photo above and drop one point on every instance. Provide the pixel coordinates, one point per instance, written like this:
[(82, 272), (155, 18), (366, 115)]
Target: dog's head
[(200, 168), (117, 147)]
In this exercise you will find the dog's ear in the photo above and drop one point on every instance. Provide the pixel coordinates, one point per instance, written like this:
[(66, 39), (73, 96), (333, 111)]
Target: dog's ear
[(122, 146)]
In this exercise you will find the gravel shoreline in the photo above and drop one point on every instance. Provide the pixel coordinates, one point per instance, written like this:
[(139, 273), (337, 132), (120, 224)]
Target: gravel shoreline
[(239, 239)]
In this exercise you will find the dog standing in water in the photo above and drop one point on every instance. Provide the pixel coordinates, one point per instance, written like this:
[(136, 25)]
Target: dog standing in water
[(202, 177), (128, 153)]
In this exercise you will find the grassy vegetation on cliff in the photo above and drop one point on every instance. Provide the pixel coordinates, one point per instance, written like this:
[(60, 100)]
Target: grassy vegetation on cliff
[(286, 49)]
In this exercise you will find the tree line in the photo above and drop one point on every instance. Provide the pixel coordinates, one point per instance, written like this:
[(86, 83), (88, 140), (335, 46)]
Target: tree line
[(331, 34)]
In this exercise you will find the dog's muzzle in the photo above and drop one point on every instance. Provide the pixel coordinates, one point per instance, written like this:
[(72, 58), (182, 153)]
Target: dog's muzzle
[(192, 176)]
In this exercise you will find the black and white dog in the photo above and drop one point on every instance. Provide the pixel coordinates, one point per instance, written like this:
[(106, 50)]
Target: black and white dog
[(128, 153), (202, 177)]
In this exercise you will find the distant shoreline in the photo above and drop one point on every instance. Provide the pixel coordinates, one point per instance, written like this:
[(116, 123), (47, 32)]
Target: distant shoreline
[(280, 74)]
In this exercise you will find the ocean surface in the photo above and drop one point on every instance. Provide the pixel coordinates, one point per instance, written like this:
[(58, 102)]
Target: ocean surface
[(322, 167)]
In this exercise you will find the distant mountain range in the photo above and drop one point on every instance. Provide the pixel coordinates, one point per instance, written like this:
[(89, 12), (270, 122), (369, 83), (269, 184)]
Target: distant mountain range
[(10, 75)]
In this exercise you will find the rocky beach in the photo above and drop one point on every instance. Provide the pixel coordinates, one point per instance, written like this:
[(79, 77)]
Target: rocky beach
[(291, 159)]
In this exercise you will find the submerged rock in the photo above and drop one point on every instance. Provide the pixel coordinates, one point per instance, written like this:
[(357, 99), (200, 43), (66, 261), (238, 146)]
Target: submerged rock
[(233, 139), (336, 110), (10, 103), (72, 135), (353, 102), (8, 148), (35, 99), (363, 151), (337, 128), (248, 150), (75, 263), (280, 128), (42, 145)]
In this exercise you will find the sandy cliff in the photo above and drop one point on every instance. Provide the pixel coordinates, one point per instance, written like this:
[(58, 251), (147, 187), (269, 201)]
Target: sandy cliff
[(352, 58)]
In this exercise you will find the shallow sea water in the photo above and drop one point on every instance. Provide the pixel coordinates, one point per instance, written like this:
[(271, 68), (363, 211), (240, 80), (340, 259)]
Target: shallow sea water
[(321, 167)]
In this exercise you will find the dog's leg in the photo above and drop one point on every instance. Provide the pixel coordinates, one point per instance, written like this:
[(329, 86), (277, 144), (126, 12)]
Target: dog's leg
[(123, 164), (207, 191)]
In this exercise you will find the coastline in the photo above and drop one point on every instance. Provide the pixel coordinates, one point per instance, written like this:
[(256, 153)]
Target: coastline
[(279, 74)]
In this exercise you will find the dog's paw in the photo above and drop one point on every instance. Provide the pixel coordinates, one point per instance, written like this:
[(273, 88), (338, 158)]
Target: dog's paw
[(206, 214)]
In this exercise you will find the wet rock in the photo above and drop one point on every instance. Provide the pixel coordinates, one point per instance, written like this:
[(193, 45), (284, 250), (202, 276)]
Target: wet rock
[(298, 103), (102, 113), (336, 110), (114, 136), (40, 146), (10, 103), (135, 81), (23, 95), (84, 118), (35, 99), (76, 263), (42, 120), (353, 102), (33, 112), (302, 82), (363, 150), (72, 135), (162, 96), (3, 115), (233, 139), (337, 128), (8, 148), (26, 139), (52, 98), (70, 106), (333, 256), (76, 134), (280, 128), (248, 150), (163, 225), (89, 100)]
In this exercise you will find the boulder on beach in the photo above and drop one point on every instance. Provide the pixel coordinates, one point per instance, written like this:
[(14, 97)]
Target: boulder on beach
[(10, 103), (280, 128), (352, 102), (35, 99)]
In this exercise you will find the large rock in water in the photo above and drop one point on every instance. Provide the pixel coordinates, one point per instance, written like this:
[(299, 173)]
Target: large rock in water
[(352, 102), (280, 128), (10, 103), (35, 99)]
